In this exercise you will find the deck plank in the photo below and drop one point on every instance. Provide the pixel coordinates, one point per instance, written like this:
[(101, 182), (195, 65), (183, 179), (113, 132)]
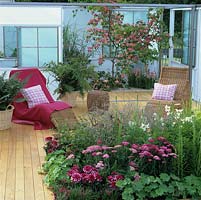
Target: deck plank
[(19, 188), (22, 153), (11, 166)]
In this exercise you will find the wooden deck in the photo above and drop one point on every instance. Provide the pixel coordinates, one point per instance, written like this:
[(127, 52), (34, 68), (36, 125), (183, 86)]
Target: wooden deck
[(22, 154)]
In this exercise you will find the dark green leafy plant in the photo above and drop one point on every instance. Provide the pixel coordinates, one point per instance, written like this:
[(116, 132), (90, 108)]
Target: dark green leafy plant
[(73, 75), (138, 79), (162, 187), (75, 72), (1, 55), (9, 88)]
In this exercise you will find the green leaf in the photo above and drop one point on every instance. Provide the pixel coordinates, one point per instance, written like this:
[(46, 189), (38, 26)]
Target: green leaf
[(127, 194), (164, 177)]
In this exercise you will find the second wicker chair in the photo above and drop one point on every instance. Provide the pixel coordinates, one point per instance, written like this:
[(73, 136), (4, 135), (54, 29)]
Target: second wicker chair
[(172, 75)]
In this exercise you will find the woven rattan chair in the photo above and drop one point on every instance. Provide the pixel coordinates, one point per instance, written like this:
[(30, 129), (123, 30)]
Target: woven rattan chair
[(172, 75)]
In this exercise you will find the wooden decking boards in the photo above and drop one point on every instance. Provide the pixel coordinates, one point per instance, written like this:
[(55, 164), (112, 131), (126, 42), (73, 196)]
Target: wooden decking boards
[(22, 154)]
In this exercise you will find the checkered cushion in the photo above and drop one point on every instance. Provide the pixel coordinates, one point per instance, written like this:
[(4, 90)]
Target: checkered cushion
[(34, 95), (164, 92)]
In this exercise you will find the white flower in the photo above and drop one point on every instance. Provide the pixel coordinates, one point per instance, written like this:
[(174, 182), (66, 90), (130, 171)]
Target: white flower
[(188, 119), (154, 116), (131, 123), (144, 127), (167, 109)]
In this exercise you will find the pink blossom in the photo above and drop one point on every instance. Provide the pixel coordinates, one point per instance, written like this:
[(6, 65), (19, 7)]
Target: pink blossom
[(88, 169), (76, 177), (73, 170), (145, 154), (106, 156), (113, 178), (151, 140), (137, 177), (48, 139), (71, 156), (106, 148), (133, 150), (124, 143), (162, 139), (135, 146), (156, 158), (100, 165), (92, 149)]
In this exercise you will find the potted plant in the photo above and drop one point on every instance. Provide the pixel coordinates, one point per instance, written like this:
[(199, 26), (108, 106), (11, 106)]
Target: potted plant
[(74, 73), (72, 77), (8, 91)]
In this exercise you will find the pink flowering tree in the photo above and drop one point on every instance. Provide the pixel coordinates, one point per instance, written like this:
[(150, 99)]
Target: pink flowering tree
[(103, 32), (127, 43)]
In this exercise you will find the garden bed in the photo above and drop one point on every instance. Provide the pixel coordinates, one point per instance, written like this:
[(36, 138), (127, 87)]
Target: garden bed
[(117, 155)]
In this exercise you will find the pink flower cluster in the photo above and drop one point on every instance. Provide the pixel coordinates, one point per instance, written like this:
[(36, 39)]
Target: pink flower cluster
[(153, 152), (113, 178), (96, 150), (51, 144), (88, 174)]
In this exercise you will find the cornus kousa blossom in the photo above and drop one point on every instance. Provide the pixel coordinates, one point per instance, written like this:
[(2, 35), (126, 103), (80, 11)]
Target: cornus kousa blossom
[(130, 42)]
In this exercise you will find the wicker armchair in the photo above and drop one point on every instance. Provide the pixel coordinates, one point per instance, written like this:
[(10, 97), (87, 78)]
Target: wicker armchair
[(172, 75)]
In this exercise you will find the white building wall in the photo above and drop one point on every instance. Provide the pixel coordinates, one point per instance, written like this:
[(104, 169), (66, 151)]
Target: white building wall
[(32, 16), (196, 73)]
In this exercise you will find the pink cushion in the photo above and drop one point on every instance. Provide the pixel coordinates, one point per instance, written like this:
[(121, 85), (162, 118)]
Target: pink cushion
[(164, 92), (34, 96)]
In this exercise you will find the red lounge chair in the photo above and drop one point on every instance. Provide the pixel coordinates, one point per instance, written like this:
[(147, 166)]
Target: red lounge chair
[(39, 115)]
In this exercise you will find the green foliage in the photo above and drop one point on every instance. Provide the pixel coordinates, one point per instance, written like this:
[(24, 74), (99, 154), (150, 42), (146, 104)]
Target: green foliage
[(55, 168), (74, 44), (73, 75), (1, 55), (9, 88), (76, 71), (182, 129), (121, 142), (164, 186), (138, 79), (106, 82)]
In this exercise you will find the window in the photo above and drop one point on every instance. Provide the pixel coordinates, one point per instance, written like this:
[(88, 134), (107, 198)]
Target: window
[(10, 41), (37, 46)]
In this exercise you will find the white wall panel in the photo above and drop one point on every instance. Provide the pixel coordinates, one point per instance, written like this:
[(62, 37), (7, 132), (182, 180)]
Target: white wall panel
[(30, 16), (196, 73)]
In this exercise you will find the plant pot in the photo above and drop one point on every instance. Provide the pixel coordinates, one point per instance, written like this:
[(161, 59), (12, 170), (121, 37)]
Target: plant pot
[(98, 100), (6, 117), (70, 97)]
